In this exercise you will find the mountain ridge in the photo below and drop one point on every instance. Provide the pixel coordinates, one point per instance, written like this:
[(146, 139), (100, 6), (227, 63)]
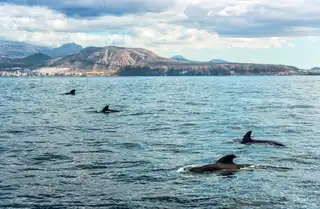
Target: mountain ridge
[(179, 58), (115, 60), (15, 49), (64, 50), (124, 61), (218, 61), (183, 59), (25, 62)]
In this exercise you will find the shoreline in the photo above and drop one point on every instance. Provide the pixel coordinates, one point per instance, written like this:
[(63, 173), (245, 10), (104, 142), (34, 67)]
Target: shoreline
[(28, 73), (157, 76)]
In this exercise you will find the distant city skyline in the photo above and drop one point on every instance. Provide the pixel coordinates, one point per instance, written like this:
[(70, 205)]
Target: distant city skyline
[(254, 31)]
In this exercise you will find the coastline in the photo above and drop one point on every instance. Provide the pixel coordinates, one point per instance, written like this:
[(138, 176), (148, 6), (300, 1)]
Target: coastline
[(97, 75), (62, 73)]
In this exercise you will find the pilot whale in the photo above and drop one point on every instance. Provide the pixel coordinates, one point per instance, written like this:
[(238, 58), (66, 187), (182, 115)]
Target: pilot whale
[(226, 166), (248, 140), (72, 92), (225, 163), (107, 110)]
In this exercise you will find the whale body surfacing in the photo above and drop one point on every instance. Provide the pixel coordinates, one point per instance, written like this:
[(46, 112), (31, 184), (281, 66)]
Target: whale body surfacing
[(248, 140), (225, 163)]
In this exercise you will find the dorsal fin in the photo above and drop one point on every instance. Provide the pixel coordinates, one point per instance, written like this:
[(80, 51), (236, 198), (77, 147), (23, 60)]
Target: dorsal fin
[(247, 137), (72, 92), (228, 159), (106, 108)]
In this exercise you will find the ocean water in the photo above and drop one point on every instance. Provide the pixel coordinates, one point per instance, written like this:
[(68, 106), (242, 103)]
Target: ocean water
[(57, 151)]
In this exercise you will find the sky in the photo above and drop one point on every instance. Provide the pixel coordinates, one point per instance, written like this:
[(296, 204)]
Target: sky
[(252, 31)]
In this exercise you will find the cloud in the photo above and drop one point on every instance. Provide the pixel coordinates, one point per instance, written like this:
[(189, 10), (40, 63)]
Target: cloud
[(256, 43), (260, 18), (58, 38), (43, 19), (95, 8), (229, 18), (166, 35), (158, 24)]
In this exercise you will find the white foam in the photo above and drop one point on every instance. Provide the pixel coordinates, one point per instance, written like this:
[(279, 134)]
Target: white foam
[(185, 169), (249, 167)]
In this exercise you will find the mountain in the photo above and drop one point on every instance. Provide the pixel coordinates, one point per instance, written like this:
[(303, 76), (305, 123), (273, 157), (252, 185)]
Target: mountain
[(35, 59), (315, 68), (103, 60), (18, 49), (179, 58), (123, 61), (26, 62), (218, 61), (64, 50), (206, 69)]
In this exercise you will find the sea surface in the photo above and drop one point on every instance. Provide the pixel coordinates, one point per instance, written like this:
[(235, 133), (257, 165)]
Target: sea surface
[(58, 151)]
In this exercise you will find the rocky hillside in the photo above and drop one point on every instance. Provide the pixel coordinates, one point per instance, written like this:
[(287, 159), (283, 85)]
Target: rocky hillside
[(199, 69), (103, 60), (141, 62)]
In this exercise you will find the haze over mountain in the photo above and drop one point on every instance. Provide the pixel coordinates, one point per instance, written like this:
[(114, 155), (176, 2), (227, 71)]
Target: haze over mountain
[(218, 61), (64, 50), (7, 63), (179, 58), (18, 49), (15, 49)]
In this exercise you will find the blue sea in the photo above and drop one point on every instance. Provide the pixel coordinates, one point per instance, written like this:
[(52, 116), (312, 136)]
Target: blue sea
[(58, 151)]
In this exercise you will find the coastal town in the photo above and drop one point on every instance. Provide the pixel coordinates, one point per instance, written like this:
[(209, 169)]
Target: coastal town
[(19, 73)]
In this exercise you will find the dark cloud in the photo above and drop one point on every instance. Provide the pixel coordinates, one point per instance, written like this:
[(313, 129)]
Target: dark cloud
[(94, 8)]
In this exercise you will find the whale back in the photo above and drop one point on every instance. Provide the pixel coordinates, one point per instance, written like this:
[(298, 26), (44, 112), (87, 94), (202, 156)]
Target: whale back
[(247, 138)]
